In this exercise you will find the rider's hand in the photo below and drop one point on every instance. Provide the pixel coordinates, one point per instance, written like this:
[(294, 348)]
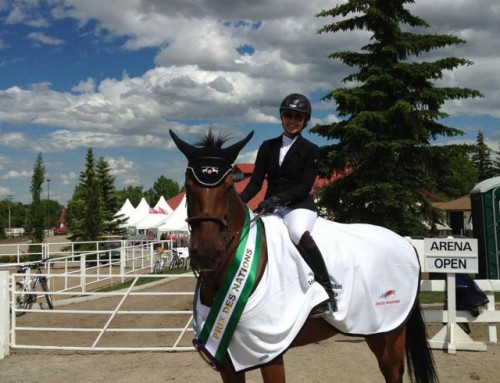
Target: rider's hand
[(268, 205)]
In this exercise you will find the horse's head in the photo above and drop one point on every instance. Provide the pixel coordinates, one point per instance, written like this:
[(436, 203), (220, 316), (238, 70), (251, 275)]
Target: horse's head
[(212, 203)]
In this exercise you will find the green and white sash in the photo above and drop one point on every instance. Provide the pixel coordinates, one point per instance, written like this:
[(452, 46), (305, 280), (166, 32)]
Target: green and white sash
[(214, 338)]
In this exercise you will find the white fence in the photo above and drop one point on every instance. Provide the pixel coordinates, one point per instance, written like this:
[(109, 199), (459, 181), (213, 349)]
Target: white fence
[(75, 314), (72, 250), (93, 268), (452, 337), (123, 320)]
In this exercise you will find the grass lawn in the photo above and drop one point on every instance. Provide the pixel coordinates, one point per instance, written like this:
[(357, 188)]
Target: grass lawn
[(141, 281)]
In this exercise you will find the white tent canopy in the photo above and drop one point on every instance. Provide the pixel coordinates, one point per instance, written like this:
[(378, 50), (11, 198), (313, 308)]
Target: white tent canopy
[(177, 220), (139, 213), (152, 220), (162, 204), (126, 209)]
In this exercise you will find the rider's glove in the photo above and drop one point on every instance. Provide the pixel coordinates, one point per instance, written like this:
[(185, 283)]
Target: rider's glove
[(268, 205)]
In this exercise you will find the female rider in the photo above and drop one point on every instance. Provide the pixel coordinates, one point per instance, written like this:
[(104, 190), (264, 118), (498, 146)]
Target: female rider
[(290, 163)]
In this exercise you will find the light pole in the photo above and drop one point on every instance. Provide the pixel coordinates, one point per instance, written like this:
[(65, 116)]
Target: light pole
[(48, 203)]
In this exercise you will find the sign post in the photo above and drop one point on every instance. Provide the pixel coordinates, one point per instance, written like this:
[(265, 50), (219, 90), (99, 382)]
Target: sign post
[(452, 256)]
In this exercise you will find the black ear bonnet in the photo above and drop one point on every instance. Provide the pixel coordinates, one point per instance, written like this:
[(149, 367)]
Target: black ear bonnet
[(210, 164)]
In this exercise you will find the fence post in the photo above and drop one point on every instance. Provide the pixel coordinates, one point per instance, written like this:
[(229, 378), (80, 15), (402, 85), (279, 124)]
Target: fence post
[(4, 314), (45, 250), (83, 271), (123, 259)]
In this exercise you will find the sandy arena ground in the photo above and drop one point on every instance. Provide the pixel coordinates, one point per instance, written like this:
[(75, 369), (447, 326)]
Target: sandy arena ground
[(340, 359)]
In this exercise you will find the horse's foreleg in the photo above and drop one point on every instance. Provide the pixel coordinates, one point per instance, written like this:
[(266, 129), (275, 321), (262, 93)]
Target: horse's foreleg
[(389, 348), (229, 376), (274, 372)]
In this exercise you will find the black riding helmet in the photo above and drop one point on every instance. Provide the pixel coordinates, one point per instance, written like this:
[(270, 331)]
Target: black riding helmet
[(297, 102)]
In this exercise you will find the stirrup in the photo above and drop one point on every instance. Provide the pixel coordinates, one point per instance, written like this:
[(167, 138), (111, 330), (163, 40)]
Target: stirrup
[(322, 309)]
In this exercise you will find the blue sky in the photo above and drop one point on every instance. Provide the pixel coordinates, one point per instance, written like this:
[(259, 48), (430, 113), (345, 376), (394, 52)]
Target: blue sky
[(116, 75)]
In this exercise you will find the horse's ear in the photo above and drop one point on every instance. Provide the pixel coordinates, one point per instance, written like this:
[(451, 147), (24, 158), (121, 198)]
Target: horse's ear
[(233, 150), (183, 146)]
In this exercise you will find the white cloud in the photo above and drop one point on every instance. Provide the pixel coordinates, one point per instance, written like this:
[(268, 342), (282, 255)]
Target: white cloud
[(16, 15), (4, 192), (14, 174), (68, 178), (247, 157), (44, 39), (87, 86), (14, 140), (200, 77)]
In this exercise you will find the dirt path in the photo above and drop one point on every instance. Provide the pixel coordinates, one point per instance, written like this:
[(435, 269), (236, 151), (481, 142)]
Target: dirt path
[(340, 359)]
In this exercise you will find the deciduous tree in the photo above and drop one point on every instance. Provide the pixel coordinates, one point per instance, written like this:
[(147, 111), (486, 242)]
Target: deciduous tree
[(36, 218), (163, 186)]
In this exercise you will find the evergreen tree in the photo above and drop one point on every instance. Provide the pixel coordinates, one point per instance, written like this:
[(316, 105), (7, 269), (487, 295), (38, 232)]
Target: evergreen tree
[(482, 160), (496, 163), (389, 117), (74, 213), (86, 207), (110, 204), (37, 214)]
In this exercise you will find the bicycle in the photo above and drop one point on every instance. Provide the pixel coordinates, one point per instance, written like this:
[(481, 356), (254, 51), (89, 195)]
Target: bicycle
[(25, 290), (177, 261), (161, 261)]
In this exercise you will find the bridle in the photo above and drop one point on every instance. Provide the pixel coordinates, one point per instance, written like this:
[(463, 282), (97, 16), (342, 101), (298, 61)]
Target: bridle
[(210, 163), (227, 236)]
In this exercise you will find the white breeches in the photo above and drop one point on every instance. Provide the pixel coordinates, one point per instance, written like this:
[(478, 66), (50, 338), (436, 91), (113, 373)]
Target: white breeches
[(297, 221)]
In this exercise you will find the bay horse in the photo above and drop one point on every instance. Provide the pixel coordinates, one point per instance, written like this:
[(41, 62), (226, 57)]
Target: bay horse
[(218, 221)]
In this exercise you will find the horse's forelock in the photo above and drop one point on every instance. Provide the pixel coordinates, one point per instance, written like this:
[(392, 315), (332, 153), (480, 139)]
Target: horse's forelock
[(210, 139)]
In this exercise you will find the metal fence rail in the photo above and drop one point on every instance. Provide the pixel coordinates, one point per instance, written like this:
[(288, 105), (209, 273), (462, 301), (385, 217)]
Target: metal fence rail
[(67, 306)]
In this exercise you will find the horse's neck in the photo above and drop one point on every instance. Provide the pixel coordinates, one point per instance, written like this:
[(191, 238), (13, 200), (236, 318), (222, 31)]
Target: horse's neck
[(210, 286), (236, 220)]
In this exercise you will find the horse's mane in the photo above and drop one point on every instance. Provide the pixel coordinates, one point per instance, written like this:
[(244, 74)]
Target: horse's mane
[(210, 139)]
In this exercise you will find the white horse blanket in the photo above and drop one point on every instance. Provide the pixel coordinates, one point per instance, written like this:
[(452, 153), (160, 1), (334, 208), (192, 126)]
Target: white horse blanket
[(375, 273)]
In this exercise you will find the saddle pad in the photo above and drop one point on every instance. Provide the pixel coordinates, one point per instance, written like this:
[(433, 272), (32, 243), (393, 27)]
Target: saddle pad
[(375, 273)]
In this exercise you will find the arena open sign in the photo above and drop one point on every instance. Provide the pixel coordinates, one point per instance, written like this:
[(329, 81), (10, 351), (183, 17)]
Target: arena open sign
[(451, 255)]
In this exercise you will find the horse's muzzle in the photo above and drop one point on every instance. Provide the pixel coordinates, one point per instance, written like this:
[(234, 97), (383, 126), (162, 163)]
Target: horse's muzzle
[(206, 245)]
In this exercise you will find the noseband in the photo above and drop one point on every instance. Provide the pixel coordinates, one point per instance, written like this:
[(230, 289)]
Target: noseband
[(192, 221)]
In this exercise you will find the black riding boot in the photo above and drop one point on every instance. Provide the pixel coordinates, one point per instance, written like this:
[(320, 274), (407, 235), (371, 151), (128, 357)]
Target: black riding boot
[(311, 254)]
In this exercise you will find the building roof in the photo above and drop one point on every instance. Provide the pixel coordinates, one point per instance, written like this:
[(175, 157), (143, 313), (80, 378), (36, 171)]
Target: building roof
[(175, 200), (258, 198), (459, 204), (246, 169)]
